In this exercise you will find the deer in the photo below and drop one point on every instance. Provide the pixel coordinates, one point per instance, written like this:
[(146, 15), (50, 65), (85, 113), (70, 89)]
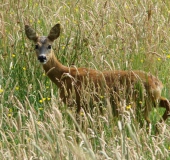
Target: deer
[(72, 79)]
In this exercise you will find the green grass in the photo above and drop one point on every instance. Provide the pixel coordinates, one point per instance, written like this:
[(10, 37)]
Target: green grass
[(127, 35)]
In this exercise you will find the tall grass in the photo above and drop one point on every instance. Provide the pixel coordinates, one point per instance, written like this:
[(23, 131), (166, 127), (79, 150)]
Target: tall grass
[(34, 123)]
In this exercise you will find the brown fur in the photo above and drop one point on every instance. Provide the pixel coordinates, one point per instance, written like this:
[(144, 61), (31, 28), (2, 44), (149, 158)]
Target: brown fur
[(71, 78)]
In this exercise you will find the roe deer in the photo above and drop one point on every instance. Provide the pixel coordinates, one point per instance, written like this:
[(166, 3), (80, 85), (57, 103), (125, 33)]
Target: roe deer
[(69, 79)]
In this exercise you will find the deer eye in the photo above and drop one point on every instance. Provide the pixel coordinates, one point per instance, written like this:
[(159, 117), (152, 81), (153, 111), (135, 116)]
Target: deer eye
[(36, 46), (49, 47)]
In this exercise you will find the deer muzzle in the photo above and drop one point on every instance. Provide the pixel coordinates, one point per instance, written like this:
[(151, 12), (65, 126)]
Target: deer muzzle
[(42, 58)]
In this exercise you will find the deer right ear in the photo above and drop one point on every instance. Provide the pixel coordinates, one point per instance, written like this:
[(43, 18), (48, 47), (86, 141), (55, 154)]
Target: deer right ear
[(30, 33), (54, 32)]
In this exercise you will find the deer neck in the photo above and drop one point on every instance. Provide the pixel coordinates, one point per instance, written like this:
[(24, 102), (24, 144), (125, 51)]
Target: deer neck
[(54, 69)]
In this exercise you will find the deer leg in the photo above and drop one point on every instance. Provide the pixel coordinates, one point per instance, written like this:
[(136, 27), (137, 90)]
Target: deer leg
[(78, 106), (148, 127), (147, 120), (144, 117), (63, 95), (78, 112), (165, 104)]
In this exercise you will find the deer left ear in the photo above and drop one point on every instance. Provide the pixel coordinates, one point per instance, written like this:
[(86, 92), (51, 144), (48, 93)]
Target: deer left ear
[(31, 34), (54, 32)]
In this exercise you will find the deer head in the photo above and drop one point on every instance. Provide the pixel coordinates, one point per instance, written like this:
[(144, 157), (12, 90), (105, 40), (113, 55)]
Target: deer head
[(43, 44)]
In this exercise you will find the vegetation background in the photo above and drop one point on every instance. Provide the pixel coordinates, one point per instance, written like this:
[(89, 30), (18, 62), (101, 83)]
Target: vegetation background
[(100, 34)]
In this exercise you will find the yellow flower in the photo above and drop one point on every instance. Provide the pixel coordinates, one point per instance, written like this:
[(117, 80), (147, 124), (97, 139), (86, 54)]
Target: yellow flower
[(36, 4), (10, 110), (9, 115), (44, 99), (44, 74), (168, 56), (17, 88), (76, 9), (48, 99), (39, 122), (101, 97), (47, 87), (40, 109), (128, 107), (140, 102), (126, 6), (82, 113), (39, 21), (24, 68), (13, 55), (159, 59), (1, 90), (41, 101), (141, 60)]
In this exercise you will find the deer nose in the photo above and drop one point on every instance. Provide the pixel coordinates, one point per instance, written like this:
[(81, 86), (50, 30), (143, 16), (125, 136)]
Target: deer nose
[(42, 58)]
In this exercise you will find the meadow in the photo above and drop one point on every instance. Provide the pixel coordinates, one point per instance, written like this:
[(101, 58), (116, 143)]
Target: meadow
[(104, 35)]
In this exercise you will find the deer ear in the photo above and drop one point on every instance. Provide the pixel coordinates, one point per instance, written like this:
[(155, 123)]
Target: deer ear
[(54, 32), (30, 33)]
